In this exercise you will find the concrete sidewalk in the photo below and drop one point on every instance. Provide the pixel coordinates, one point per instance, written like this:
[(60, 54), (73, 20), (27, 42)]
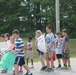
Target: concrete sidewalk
[(37, 67)]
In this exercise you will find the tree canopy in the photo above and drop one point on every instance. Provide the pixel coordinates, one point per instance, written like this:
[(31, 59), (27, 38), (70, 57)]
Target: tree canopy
[(30, 15)]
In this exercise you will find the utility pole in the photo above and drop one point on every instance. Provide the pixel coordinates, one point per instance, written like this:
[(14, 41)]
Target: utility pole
[(57, 16)]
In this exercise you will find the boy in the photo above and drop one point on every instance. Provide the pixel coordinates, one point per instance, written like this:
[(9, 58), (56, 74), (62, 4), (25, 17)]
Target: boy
[(65, 49), (19, 51), (58, 44), (29, 51), (50, 47)]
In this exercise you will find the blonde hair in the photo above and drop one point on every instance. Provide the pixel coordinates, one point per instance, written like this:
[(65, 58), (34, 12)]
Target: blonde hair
[(12, 37), (39, 32)]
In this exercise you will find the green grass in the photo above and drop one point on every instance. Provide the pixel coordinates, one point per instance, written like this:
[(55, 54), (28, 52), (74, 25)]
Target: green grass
[(72, 46)]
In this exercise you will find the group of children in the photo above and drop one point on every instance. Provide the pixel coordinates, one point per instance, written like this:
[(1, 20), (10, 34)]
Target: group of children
[(54, 45), (47, 47), (16, 46)]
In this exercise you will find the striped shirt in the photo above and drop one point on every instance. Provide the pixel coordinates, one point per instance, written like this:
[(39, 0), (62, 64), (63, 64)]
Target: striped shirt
[(18, 45)]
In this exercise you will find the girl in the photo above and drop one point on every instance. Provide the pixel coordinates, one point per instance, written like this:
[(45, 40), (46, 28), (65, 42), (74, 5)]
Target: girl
[(7, 40), (39, 40), (2, 40), (7, 62)]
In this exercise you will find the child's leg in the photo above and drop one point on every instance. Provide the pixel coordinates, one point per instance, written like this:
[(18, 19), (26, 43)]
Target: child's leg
[(69, 62), (27, 60), (31, 57), (26, 67), (16, 69), (42, 61), (48, 64), (21, 69), (66, 60), (52, 62), (32, 62), (59, 61), (40, 54), (51, 56)]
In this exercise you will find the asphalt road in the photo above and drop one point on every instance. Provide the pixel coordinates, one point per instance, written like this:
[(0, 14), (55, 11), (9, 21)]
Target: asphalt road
[(37, 67)]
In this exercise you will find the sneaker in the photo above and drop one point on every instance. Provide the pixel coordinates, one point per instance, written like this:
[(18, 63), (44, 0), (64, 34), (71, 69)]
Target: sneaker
[(4, 71), (31, 66), (28, 74), (53, 66), (69, 67), (65, 67), (13, 70), (49, 70), (58, 67), (43, 68), (13, 73)]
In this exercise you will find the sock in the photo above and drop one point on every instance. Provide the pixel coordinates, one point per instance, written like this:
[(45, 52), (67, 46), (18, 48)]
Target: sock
[(59, 65), (29, 73), (68, 65), (64, 64)]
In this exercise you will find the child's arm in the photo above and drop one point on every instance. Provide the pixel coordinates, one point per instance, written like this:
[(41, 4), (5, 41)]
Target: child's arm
[(66, 45), (13, 51), (25, 46), (10, 49), (53, 42), (60, 41)]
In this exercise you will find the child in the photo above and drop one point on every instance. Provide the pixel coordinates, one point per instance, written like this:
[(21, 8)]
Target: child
[(54, 58), (40, 53), (7, 40), (58, 44), (29, 54), (2, 40), (50, 47), (19, 51), (5, 63), (66, 51)]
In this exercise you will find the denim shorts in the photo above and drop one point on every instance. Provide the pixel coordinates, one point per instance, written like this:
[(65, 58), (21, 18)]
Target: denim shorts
[(40, 53)]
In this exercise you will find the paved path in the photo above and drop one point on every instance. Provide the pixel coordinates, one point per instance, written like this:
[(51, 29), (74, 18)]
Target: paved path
[(37, 66)]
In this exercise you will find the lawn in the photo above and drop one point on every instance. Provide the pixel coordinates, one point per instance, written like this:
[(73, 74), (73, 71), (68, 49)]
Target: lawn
[(72, 46)]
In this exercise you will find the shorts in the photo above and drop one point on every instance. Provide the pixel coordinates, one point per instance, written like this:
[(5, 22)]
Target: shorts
[(19, 61), (66, 55), (40, 53), (59, 56), (50, 54), (29, 55)]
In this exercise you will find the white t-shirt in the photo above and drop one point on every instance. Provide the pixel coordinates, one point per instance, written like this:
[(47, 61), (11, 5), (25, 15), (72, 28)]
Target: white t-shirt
[(49, 39), (41, 45), (29, 46), (58, 45), (4, 46), (8, 43)]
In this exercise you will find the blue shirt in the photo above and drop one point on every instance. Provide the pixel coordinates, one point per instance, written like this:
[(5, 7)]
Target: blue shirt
[(18, 45), (49, 39)]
